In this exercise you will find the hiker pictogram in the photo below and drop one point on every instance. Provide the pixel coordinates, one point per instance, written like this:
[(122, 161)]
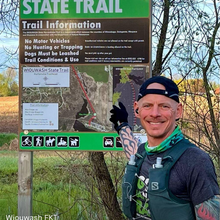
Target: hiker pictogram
[(38, 141)]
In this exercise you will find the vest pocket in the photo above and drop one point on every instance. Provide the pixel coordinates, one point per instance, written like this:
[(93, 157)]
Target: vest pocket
[(129, 186)]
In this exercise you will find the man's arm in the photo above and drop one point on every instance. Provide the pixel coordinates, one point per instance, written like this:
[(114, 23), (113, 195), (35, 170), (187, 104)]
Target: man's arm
[(119, 117), (129, 142), (209, 210)]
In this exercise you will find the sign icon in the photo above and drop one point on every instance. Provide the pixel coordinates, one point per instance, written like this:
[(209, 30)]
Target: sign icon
[(38, 141), (50, 141), (62, 141), (26, 141), (74, 141), (108, 141), (118, 142)]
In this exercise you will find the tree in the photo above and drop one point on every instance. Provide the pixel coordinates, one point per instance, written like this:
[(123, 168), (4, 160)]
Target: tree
[(194, 46), (8, 84), (191, 86), (9, 17)]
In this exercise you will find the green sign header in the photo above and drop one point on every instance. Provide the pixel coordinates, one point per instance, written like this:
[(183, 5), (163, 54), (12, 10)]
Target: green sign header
[(61, 9)]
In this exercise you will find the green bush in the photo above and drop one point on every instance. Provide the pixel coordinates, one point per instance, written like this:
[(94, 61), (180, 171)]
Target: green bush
[(7, 138)]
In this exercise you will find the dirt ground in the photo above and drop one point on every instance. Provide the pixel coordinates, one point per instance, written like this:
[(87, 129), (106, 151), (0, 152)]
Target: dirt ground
[(9, 120), (9, 114)]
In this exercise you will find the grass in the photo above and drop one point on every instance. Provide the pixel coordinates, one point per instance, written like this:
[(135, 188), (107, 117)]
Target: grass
[(48, 199), (7, 138), (59, 198), (8, 183), (59, 186), (62, 183)]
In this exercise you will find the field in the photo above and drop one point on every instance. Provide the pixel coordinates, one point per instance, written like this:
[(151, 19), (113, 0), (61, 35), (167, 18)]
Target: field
[(9, 114), (62, 184)]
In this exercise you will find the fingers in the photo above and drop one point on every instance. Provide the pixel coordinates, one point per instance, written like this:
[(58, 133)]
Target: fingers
[(112, 111), (122, 106), (119, 115), (113, 119), (115, 114), (115, 108)]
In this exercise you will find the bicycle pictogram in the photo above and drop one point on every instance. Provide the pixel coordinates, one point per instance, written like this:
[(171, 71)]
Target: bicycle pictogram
[(26, 141)]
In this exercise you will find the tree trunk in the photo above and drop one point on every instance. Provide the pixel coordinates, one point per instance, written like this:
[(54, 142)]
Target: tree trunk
[(105, 186), (160, 47)]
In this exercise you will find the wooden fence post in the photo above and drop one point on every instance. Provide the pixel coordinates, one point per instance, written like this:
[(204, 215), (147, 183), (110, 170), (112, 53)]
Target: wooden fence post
[(25, 176)]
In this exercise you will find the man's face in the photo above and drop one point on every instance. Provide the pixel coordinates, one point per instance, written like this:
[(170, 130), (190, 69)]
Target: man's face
[(157, 114)]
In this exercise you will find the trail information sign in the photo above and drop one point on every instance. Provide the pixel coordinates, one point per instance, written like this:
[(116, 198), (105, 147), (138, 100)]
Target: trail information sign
[(77, 58)]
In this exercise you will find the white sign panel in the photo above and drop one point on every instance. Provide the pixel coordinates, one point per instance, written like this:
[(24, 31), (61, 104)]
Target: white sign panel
[(141, 137), (41, 116), (46, 76)]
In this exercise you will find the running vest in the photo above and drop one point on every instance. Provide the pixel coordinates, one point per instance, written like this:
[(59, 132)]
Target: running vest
[(129, 185), (163, 204)]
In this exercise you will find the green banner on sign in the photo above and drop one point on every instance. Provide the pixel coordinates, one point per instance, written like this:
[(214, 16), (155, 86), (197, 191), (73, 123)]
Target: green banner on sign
[(70, 141), (62, 9)]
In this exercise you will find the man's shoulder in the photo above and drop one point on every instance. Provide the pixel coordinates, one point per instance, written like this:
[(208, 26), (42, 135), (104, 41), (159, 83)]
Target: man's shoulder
[(193, 149), (195, 157), (194, 152)]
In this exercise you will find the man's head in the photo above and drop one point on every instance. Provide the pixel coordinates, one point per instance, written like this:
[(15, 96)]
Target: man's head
[(170, 88), (158, 108)]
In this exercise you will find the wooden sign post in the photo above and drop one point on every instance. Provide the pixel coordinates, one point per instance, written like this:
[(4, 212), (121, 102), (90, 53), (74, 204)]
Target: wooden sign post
[(25, 176)]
